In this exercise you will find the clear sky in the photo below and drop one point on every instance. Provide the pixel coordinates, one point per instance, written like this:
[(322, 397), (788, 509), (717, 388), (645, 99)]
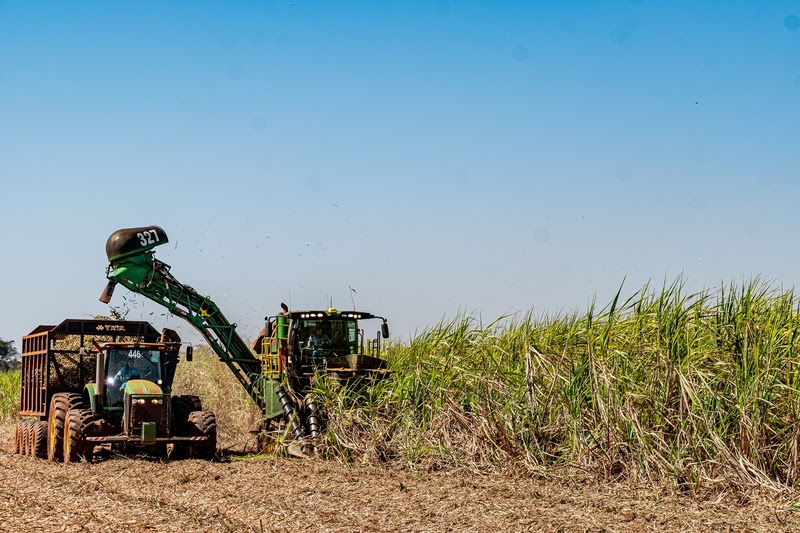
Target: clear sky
[(488, 157)]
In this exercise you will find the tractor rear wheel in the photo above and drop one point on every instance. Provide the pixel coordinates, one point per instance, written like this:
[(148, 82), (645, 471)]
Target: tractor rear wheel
[(204, 424), (75, 432), (61, 403), (39, 439)]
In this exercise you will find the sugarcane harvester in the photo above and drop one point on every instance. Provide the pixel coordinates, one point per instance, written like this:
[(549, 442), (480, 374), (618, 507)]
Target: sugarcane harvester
[(278, 371)]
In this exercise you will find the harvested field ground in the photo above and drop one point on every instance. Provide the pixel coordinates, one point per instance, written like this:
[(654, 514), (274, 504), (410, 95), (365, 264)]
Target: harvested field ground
[(260, 494)]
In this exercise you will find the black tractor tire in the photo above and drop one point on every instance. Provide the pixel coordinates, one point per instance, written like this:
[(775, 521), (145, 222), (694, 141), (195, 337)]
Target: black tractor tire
[(60, 405), (197, 404), (39, 439), (161, 450), (181, 427), (181, 407), (75, 431), (204, 424)]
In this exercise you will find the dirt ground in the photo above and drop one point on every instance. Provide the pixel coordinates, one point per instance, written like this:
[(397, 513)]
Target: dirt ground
[(259, 494)]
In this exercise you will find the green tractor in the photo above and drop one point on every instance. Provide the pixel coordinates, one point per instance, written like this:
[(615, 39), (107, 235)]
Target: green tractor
[(89, 383), (130, 406), (279, 368)]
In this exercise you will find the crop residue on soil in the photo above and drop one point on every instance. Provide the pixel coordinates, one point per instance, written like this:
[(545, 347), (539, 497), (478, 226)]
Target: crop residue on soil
[(282, 495)]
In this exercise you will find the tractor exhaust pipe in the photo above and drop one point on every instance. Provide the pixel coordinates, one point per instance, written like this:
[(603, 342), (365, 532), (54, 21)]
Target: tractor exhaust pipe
[(100, 380)]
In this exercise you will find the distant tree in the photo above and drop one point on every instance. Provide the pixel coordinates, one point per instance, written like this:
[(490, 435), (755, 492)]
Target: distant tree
[(9, 356)]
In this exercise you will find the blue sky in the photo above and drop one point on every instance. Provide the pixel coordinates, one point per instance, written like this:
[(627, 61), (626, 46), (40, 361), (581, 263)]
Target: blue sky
[(438, 157)]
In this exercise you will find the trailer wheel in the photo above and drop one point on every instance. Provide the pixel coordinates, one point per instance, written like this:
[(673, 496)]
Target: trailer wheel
[(75, 447), (29, 439), (23, 435), (39, 439), (60, 404), (204, 424), (17, 437)]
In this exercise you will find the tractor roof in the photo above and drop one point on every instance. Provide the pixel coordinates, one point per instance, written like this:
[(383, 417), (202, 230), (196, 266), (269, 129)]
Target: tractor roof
[(112, 329), (331, 313), (132, 345)]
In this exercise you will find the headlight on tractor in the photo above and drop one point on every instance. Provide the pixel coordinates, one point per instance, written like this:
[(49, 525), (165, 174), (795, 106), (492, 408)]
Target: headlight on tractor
[(157, 400)]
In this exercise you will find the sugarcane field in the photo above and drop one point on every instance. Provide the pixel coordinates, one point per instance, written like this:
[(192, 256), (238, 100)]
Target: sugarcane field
[(241, 490), (424, 266), (660, 410)]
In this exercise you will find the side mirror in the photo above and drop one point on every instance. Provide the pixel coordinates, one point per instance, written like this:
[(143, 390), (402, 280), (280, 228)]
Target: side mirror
[(268, 328), (385, 330), (189, 351)]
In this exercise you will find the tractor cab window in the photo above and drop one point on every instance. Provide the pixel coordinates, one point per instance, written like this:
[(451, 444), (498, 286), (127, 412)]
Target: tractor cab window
[(344, 334), (327, 338), (125, 364)]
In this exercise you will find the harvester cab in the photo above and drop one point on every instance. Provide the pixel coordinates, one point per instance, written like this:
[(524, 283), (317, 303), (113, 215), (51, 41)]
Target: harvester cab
[(330, 342)]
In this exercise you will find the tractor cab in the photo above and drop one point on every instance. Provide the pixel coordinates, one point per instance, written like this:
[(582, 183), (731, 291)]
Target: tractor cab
[(131, 392), (130, 368)]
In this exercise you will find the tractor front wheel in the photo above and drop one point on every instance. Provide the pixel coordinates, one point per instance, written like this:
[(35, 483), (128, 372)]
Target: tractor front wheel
[(181, 407), (203, 424)]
